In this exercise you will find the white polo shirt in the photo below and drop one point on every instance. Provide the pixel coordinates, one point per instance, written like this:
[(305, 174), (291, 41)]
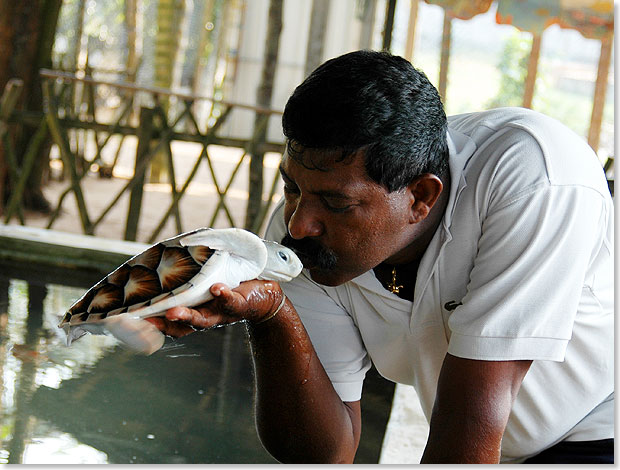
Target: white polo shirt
[(520, 268)]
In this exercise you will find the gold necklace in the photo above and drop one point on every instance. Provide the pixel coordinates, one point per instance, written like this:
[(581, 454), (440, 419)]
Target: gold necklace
[(394, 288)]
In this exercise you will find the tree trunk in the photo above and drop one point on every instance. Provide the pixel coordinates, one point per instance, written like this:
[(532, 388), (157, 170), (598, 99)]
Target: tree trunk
[(131, 65), (77, 45), (390, 10), (413, 19), (263, 100), (202, 58), (444, 61), (27, 31), (316, 37), (169, 16), (532, 71), (600, 90), (367, 17)]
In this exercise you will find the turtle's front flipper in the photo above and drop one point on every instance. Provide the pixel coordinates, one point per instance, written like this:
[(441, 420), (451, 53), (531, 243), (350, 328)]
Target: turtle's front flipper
[(137, 334)]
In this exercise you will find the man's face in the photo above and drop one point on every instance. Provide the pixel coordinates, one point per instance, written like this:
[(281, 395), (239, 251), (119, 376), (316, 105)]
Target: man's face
[(341, 222)]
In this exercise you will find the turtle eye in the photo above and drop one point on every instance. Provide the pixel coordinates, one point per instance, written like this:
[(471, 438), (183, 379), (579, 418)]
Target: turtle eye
[(283, 255)]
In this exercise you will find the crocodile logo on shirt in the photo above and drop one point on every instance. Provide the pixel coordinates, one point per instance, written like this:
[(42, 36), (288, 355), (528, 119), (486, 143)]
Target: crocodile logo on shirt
[(451, 305)]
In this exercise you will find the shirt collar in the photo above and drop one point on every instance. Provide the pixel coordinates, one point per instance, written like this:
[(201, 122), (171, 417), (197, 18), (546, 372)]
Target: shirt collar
[(461, 148)]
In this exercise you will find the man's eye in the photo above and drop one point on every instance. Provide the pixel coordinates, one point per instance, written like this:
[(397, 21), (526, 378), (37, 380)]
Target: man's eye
[(291, 189), (336, 206)]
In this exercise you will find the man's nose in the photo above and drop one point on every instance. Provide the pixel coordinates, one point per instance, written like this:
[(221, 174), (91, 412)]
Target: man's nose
[(304, 223)]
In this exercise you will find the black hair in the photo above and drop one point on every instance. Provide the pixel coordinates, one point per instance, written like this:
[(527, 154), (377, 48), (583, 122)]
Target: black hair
[(375, 102)]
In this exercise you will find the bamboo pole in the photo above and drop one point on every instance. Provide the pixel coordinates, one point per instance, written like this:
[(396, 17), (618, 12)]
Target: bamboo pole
[(264, 94), (444, 63), (13, 170), (316, 35), (413, 19), (60, 138), (388, 26), (32, 150), (532, 70), (600, 90), (9, 98), (368, 21), (135, 196), (153, 90)]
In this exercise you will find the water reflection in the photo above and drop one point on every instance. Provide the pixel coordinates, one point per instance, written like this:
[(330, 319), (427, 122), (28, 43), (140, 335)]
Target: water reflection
[(190, 402)]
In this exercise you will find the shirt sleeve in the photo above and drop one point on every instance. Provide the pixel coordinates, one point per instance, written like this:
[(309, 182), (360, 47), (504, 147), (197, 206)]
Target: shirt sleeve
[(335, 337), (528, 276)]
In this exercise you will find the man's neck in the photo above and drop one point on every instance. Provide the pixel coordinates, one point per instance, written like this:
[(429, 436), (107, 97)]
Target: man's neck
[(426, 229)]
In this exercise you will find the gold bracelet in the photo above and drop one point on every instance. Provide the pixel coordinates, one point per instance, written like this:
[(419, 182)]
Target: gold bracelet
[(271, 315)]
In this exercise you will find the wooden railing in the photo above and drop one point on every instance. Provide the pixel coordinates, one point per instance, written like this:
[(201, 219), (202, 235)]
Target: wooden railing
[(141, 114)]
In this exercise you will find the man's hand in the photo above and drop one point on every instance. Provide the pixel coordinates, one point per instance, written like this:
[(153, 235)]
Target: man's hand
[(252, 301)]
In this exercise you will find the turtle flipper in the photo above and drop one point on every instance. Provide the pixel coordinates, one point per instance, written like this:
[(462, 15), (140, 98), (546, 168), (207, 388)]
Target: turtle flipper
[(73, 333), (137, 334)]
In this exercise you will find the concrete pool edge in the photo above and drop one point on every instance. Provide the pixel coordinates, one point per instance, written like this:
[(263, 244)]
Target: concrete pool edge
[(52, 247)]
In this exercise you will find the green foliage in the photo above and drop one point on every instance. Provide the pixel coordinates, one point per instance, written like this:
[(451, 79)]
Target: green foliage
[(513, 70), (103, 24)]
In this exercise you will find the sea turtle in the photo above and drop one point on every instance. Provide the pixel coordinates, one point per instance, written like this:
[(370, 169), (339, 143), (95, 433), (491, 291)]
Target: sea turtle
[(176, 271)]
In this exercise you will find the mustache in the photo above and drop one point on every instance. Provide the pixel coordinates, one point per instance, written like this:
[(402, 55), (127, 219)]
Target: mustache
[(311, 252)]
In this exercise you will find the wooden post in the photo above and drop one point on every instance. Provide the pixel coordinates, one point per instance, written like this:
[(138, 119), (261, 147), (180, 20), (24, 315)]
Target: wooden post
[(316, 36), (390, 9), (14, 203), (264, 93), (600, 90), (532, 69), (11, 93), (59, 136), (145, 135), (446, 39), (368, 21), (9, 98), (413, 19)]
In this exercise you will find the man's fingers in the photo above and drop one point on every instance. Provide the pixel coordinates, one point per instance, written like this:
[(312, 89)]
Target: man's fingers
[(250, 301), (170, 328), (201, 317)]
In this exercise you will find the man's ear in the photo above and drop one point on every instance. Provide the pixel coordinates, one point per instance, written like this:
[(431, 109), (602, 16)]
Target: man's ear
[(425, 191)]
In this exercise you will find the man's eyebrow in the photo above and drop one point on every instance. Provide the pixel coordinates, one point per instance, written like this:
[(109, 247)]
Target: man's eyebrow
[(324, 193)]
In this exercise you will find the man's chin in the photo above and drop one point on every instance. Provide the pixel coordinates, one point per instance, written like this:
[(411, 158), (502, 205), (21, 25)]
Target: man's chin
[(328, 278)]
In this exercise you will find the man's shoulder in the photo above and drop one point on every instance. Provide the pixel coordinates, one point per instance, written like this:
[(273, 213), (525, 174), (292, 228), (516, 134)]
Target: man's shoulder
[(499, 118), (529, 140)]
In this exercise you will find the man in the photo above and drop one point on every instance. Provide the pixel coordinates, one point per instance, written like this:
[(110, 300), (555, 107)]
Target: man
[(469, 257)]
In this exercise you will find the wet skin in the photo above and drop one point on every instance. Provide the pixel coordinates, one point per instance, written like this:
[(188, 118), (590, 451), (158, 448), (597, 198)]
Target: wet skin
[(359, 221)]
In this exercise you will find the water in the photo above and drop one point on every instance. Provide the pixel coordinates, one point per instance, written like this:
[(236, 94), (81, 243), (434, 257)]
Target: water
[(95, 402)]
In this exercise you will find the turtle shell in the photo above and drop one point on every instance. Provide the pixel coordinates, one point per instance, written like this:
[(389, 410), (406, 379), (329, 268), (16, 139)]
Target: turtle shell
[(147, 277)]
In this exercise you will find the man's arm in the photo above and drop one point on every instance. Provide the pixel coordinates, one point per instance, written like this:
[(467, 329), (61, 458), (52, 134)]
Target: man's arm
[(471, 409), (299, 416)]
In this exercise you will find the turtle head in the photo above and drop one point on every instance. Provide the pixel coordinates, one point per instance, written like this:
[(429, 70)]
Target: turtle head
[(282, 264)]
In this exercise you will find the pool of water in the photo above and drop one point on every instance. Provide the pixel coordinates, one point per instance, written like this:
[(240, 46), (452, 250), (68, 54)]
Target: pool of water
[(95, 402)]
